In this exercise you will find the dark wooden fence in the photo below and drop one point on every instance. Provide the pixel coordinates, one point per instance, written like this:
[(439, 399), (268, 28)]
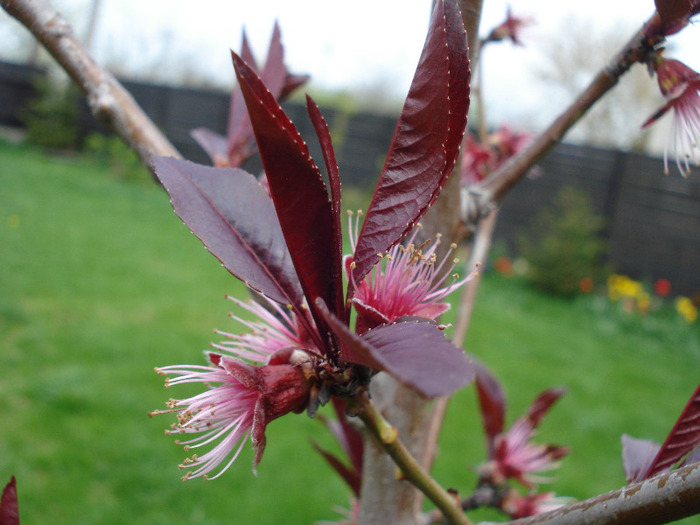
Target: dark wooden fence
[(652, 220)]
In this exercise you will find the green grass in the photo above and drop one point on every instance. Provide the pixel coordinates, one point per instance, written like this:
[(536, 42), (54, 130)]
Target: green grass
[(100, 282)]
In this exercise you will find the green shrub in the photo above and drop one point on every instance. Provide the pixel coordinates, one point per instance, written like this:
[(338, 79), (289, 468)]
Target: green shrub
[(112, 153), (52, 118), (564, 245)]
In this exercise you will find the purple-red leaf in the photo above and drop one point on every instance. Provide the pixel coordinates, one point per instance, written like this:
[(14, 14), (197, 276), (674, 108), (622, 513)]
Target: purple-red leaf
[(412, 349), (301, 198), (683, 438), (241, 142), (274, 73), (492, 404), (673, 10), (347, 435), (351, 476), (213, 144), (637, 455), (542, 403), (426, 141), (9, 510), (277, 79), (324, 138), (232, 215)]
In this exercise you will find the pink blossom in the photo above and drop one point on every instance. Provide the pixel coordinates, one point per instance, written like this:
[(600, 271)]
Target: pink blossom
[(480, 159), (515, 457), (510, 28), (411, 281), (680, 85), (241, 398), (517, 506)]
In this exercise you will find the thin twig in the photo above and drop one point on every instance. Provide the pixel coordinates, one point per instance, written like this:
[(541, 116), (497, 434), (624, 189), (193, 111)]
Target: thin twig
[(492, 191), (107, 99), (387, 436)]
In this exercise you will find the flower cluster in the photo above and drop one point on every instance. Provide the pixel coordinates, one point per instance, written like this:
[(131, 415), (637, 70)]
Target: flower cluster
[(283, 239), (630, 293), (634, 297), (511, 453)]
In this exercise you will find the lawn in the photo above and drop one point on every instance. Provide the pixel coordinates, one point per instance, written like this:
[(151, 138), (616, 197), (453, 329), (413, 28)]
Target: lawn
[(100, 282)]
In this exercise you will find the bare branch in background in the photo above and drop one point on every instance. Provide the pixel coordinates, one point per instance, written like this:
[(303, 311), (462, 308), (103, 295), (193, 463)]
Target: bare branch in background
[(492, 191), (107, 99)]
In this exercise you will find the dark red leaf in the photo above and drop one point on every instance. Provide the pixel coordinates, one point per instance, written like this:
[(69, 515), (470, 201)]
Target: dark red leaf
[(292, 82), (352, 477), (274, 74), (426, 141), (233, 216), (637, 455), (542, 403), (324, 138), (413, 350), (9, 510), (301, 198), (673, 10), (347, 435), (492, 404), (683, 438)]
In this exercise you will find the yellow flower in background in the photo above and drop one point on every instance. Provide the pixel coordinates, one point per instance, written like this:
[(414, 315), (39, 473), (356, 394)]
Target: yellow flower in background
[(620, 286), (686, 309)]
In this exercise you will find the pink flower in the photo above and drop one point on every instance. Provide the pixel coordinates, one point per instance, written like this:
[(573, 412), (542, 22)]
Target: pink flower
[(480, 159), (241, 398), (412, 282), (517, 506), (680, 85), (515, 457), (509, 28)]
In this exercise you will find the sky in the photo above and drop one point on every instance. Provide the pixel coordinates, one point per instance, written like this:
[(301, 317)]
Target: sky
[(345, 45)]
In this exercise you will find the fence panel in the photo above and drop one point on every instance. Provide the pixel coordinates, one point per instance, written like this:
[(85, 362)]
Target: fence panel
[(652, 221)]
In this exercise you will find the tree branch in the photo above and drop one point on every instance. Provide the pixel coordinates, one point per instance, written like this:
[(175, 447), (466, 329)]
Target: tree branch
[(661, 499), (107, 99), (491, 192)]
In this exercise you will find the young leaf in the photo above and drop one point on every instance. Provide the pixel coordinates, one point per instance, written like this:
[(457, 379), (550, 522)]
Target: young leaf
[(350, 476), (274, 73), (542, 403), (426, 141), (324, 138), (637, 455), (233, 216), (412, 349), (300, 196), (492, 404), (241, 141), (350, 439), (683, 438), (213, 144), (9, 511)]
